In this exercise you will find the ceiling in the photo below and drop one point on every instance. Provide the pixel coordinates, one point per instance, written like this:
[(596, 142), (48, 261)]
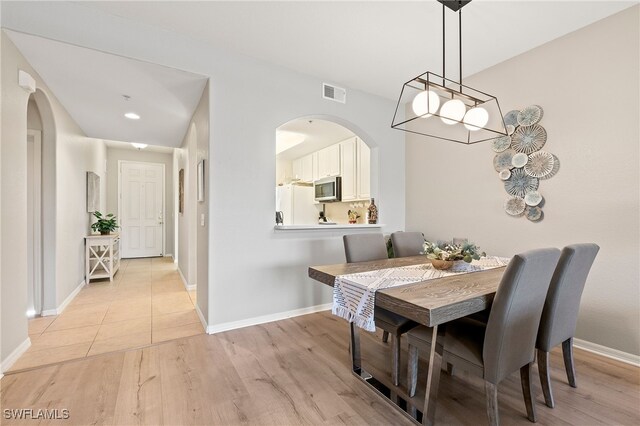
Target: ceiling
[(374, 46), (91, 84), (317, 134)]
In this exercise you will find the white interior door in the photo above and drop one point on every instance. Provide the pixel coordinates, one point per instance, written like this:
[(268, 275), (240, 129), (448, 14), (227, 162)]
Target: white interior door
[(34, 222), (141, 209)]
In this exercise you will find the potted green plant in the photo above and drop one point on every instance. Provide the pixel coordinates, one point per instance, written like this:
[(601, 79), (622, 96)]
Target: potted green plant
[(443, 255), (105, 225)]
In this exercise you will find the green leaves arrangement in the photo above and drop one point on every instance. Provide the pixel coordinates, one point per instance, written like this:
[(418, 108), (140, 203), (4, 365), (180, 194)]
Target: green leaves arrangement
[(105, 224), (449, 251)]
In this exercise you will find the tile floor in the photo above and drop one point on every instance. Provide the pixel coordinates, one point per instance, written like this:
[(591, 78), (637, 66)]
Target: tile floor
[(146, 303)]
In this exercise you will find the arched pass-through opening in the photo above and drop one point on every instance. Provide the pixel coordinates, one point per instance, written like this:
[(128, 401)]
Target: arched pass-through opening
[(48, 202), (326, 172)]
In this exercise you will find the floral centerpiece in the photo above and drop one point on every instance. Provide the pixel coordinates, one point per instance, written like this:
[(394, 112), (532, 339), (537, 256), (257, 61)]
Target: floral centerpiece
[(444, 254)]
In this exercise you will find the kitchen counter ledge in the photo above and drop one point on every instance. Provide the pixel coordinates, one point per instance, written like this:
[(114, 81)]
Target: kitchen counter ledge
[(325, 227)]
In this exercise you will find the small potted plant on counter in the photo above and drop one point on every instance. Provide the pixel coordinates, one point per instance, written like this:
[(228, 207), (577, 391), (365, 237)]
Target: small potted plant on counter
[(353, 216), (443, 255), (105, 225)]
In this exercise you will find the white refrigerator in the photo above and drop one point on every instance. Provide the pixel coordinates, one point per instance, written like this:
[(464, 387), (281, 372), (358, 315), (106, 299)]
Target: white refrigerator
[(297, 205)]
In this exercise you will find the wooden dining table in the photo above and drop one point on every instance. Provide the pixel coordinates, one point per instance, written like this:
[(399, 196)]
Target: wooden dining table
[(431, 303)]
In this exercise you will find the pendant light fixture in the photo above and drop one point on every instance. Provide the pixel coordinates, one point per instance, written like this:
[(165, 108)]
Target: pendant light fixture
[(435, 106)]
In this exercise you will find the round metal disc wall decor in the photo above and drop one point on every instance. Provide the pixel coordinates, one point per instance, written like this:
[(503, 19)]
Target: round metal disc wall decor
[(534, 214), (502, 143), (505, 174), (511, 118), (502, 161), (528, 139), (532, 198), (530, 115), (521, 164), (514, 206), (519, 183), (556, 167), (540, 164), (520, 159)]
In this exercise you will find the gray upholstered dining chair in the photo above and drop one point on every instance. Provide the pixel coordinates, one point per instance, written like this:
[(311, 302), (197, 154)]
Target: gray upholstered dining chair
[(560, 313), (507, 342), (407, 243), (368, 247)]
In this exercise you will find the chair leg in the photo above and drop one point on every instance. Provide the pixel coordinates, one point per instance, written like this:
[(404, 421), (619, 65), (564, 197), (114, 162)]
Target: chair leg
[(385, 336), (491, 392), (412, 370), (567, 353), (528, 392), (395, 360), (545, 377), (450, 369)]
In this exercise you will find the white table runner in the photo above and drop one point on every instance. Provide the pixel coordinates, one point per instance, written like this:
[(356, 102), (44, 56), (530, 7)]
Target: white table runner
[(354, 294)]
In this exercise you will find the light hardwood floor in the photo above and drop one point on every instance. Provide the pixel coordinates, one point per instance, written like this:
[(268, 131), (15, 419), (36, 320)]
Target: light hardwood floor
[(294, 371), (145, 304)]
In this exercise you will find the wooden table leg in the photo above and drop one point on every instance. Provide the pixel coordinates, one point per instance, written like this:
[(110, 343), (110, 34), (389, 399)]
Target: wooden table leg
[(433, 380)]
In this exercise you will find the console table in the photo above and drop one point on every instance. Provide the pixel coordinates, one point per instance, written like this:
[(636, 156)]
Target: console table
[(102, 256)]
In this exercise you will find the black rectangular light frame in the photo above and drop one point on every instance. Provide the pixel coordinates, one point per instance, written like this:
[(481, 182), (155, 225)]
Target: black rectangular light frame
[(454, 5)]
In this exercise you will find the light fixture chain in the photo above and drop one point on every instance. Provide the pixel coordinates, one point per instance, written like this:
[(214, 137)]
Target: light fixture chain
[(460, 42), (444, 58)]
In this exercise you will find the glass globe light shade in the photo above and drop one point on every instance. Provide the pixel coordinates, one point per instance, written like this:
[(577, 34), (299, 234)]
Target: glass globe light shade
[(452, 111), (476, 119), (425, 103)]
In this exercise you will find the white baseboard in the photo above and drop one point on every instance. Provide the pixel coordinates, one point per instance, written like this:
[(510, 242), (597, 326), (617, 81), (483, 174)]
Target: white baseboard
[(187, 286), (65, 303), (202, 320), (607, 352), (219, 328), (13, 356), (171, 256)]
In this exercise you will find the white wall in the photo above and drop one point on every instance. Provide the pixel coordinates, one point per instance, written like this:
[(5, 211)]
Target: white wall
[(588, 84), (193, 149), (74, 155), (253, 270), (117, 154)]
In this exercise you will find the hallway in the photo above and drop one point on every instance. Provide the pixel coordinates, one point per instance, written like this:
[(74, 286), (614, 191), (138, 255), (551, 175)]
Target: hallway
[(146, 304)]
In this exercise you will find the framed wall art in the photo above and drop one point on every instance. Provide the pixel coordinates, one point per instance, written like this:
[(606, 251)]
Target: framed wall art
[(93, 192)]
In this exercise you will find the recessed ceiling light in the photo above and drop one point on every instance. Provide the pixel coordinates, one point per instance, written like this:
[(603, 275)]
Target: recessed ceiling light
[(132, 116), (139, 146)]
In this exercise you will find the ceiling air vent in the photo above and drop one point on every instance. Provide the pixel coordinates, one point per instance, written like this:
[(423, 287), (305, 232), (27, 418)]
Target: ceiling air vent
[(334, 93)]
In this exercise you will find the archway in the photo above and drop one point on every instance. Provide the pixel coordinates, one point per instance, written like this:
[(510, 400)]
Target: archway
[(40, 101), (312, 149)]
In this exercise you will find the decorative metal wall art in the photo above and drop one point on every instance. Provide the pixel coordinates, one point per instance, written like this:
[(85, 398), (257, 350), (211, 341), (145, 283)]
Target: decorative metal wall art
[(521, 164)]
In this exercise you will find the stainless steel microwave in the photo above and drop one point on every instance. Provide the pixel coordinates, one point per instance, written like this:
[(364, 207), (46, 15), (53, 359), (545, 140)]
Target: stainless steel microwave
[(327, 190)]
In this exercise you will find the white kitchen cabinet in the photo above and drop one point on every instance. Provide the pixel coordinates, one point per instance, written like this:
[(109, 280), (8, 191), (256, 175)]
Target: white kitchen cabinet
[(348, 158), (329, 161), (303, 168), (314, 161), (363, 171), (296, 166)]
